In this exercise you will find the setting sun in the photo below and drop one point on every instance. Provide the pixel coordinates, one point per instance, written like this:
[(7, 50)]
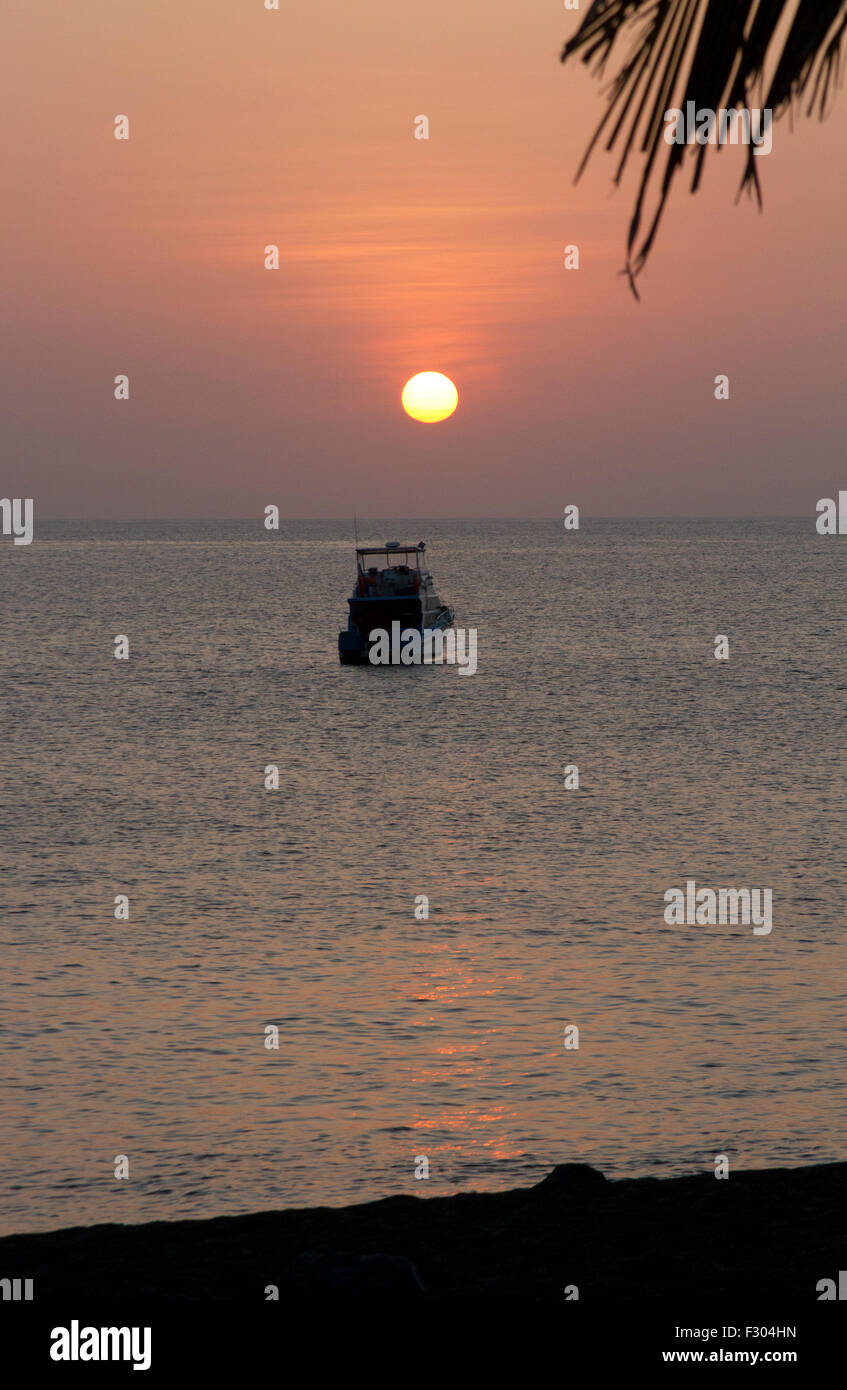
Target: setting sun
[(429, 397)]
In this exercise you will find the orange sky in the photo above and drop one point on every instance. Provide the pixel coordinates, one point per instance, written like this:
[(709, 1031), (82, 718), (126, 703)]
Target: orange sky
[(398, 255)]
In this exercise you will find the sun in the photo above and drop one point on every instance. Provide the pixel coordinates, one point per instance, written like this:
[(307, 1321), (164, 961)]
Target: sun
[(429, 397)]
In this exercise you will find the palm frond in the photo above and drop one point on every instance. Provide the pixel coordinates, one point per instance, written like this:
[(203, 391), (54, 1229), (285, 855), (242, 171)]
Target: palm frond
[(712, 52)]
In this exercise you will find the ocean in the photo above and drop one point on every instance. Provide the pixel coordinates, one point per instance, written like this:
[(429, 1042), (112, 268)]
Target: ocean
[(401, 1038)]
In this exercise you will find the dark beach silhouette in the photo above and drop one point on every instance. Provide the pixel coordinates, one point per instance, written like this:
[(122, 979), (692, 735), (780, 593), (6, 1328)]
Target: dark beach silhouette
[(765, 1234)]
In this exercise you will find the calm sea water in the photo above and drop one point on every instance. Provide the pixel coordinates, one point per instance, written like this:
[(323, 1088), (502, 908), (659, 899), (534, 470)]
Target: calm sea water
[(295, 907)]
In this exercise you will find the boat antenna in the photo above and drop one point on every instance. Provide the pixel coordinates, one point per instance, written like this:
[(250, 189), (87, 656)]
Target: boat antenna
[(356, 529)]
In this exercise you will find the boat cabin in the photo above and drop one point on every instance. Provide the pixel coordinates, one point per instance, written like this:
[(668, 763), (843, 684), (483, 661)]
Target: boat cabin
[(390, 570)]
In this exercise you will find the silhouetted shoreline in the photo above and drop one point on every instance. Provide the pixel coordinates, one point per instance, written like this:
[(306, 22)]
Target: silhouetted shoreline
[(767, 1234)]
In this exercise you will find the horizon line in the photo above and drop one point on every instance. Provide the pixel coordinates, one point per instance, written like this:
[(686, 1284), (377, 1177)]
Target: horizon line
[(596, 516)]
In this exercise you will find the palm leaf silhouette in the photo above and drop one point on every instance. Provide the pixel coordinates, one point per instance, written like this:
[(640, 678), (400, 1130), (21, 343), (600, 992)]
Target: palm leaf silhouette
[(712, 52)]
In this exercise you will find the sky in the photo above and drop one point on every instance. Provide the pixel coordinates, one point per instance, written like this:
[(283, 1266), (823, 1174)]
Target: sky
[(295, 127)]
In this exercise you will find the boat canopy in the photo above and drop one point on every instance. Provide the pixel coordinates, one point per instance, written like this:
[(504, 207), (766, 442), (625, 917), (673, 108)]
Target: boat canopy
[(392, 553)]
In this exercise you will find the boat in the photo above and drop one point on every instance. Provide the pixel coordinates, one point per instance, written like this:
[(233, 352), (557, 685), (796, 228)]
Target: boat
[(392, 586)]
